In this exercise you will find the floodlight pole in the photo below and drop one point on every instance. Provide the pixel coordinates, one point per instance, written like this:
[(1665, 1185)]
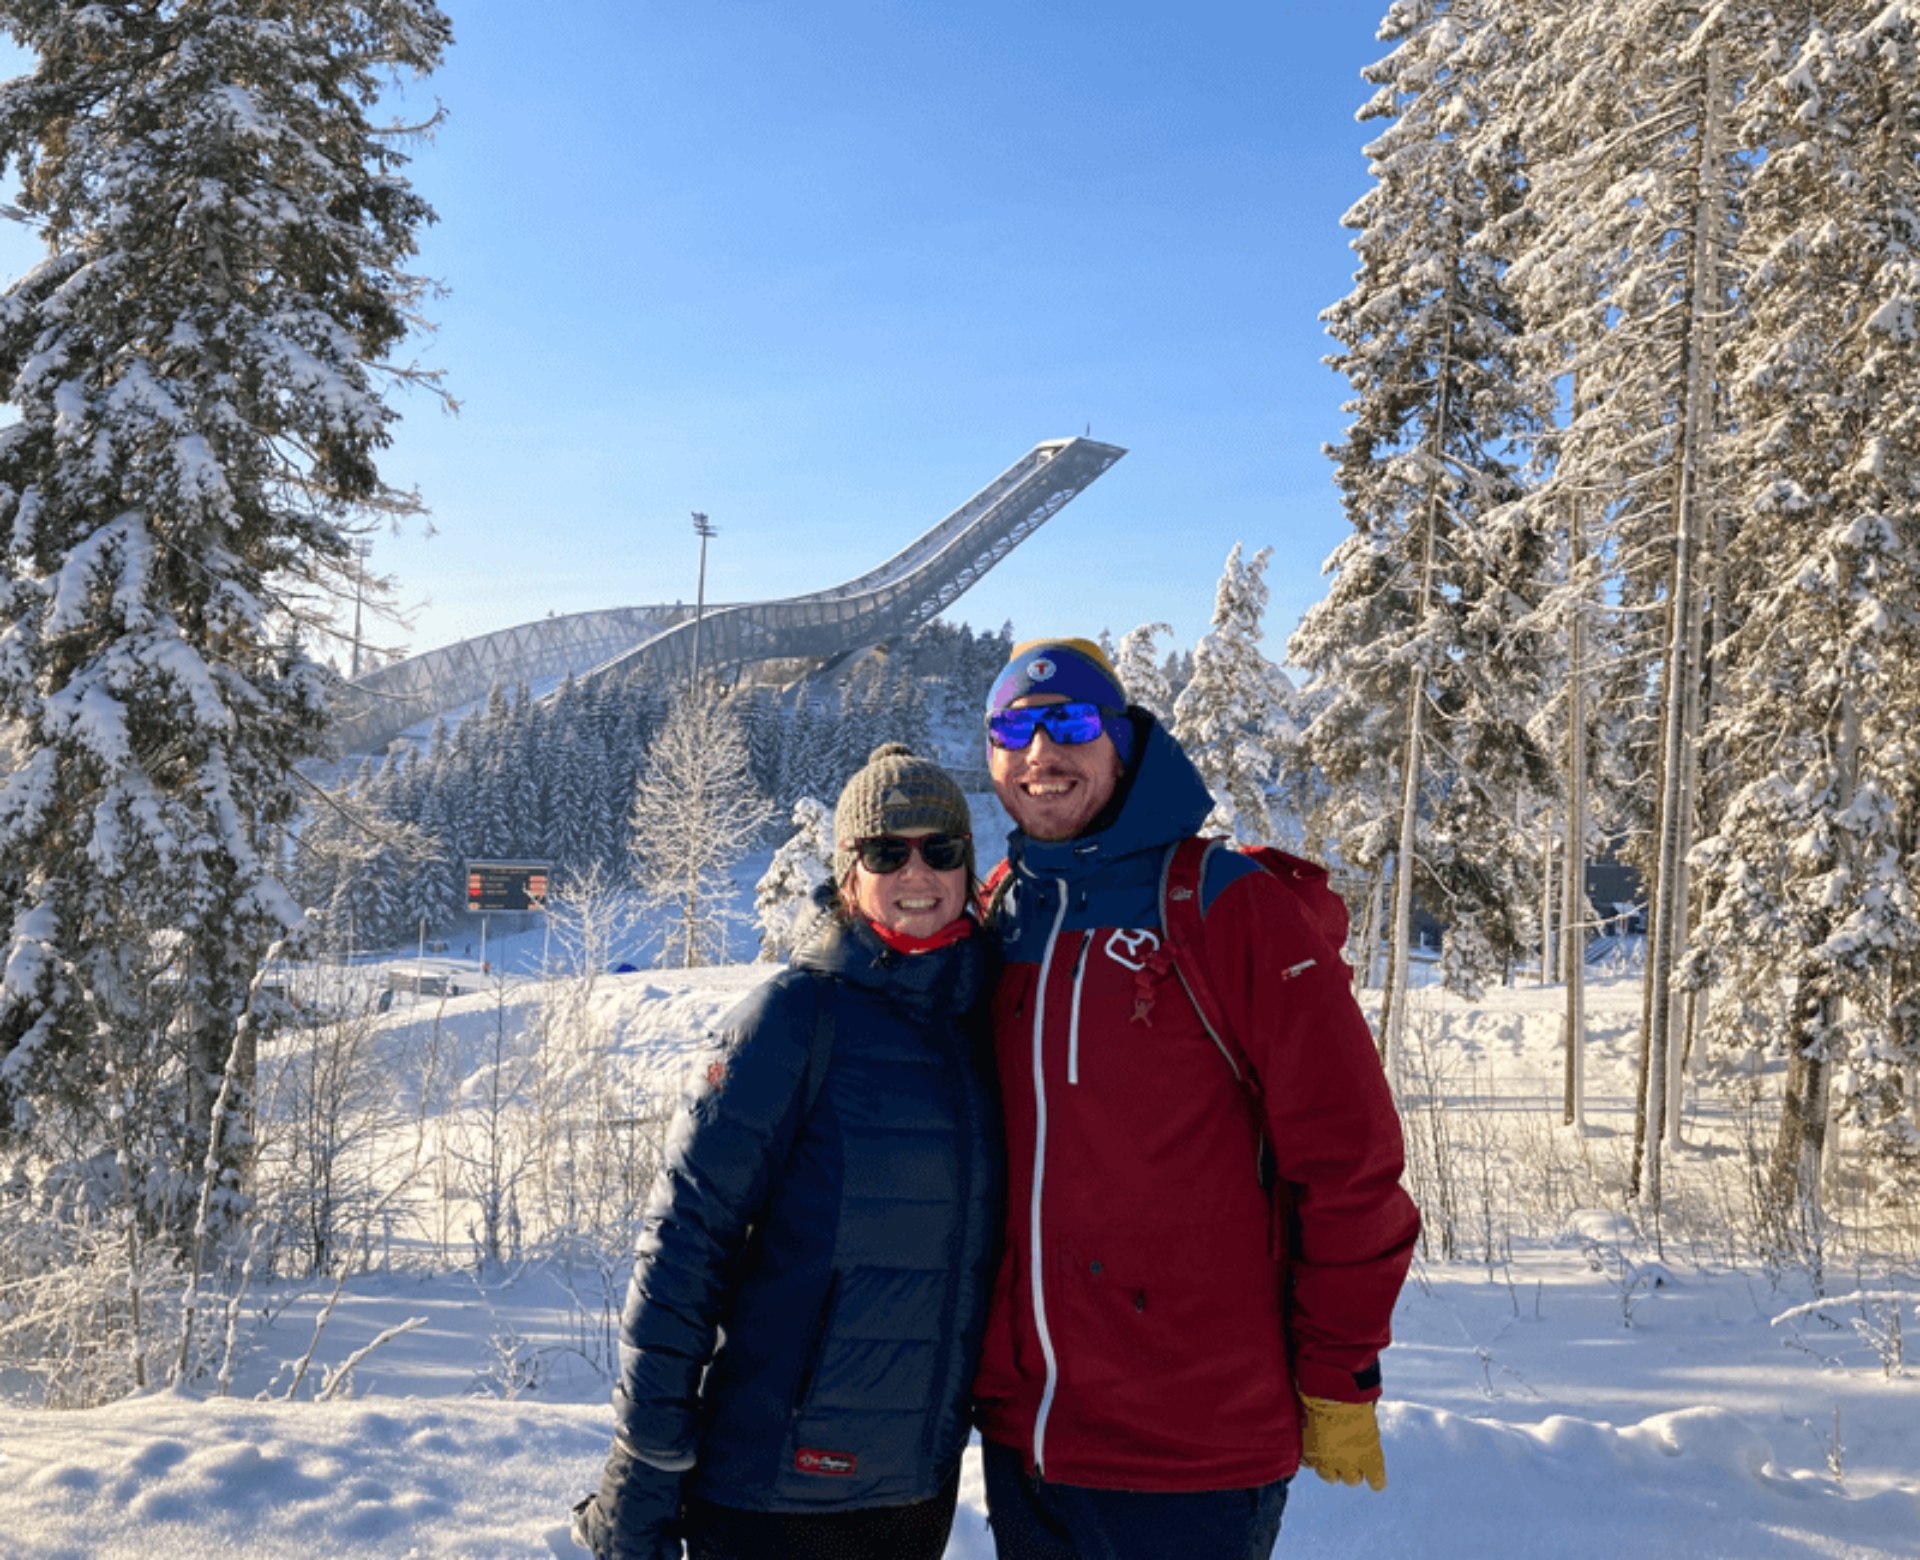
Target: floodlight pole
[(705, 530)]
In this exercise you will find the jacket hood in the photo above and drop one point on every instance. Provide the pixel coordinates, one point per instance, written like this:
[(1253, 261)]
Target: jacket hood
[(922, 983), (1165, 801)]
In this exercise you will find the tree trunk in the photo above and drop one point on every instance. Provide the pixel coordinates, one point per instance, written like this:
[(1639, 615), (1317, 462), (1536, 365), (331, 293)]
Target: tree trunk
[(1643, 1059), (1548, 971), (1801, 1145), (1573, 903), (1667, 936), (1393, 1017), (1400, 933), (1363, 973), (1798, 1149), (1684, 1007)]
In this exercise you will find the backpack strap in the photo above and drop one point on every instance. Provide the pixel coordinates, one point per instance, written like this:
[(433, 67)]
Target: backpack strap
[(1183, 930), (1182, 872), (993, 892)]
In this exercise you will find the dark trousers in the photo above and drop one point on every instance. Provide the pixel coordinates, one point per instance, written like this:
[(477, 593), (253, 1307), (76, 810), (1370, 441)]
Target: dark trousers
[(915, 1532), (1033, 1519)]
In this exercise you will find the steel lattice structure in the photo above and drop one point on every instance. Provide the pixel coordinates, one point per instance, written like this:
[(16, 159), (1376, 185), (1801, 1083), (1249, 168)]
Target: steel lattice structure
[(909, 589)]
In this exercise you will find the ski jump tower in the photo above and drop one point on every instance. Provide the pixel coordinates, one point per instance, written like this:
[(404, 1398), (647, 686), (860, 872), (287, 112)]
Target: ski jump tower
[(909, 589)]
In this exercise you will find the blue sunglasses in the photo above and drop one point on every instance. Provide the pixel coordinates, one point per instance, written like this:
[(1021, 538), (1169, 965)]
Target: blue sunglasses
[(1068, 725)]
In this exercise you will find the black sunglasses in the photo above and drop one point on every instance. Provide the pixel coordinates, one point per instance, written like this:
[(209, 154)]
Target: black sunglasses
[(1067, 725), (884, 853)]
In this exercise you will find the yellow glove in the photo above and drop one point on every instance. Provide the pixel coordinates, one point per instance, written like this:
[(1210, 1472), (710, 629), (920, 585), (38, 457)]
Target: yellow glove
[(1341, 1442)]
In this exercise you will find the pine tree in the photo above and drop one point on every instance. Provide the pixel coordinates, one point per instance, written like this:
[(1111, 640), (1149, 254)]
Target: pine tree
[(1234, 716), (908, 719), (783, 898), (197, 366), (764, 727), (434, 814), (430, 894), (1809, 879), (845, 736), (1142, 674), (1628, 272), (806, 762), (572, 803), (1423, 688), (530, 836)]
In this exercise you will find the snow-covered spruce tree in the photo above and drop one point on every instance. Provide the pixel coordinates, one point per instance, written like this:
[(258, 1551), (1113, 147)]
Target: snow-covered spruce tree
[(905, 716), (863, 718), (197, 366), (1235, 715), (783, 898), (695, 813), (1141, 672), (1809, 878), (1424, 685), (432, 891), (573, 799), (1627, 274), (807, 765), (763, 723)]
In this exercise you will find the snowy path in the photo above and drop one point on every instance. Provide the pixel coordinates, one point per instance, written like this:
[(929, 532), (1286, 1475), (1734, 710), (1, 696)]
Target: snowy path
[(169, 1478)]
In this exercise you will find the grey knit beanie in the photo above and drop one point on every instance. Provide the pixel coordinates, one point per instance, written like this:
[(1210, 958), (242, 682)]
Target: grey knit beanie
[(897, 790)]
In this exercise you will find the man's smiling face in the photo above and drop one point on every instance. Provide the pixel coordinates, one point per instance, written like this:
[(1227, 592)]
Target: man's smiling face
[(1053, 791)]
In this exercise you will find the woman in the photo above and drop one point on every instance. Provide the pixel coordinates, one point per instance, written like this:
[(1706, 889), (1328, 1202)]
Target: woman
[(822, 1236)]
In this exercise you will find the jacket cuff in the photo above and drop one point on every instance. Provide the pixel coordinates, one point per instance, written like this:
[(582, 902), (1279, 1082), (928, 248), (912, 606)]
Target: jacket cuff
[(1313, 1379), (659, 1461)]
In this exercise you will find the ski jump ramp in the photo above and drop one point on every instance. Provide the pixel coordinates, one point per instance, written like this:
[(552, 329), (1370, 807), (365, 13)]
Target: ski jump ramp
[(909, 589)]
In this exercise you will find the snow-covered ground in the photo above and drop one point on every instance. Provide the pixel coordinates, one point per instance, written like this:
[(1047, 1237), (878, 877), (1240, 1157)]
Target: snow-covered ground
[(1559, 1390)]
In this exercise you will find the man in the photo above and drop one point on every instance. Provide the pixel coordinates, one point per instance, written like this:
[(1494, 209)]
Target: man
[(1200, 1267)]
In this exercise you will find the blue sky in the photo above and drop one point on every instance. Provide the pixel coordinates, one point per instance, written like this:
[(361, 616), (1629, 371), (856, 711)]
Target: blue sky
[(822, 270)]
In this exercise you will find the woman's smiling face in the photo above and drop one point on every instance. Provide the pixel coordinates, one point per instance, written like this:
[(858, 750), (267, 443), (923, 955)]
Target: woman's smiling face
[(915, 901)]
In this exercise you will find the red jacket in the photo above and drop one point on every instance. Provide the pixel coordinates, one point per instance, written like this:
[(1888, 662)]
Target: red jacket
[(1155, 1308)]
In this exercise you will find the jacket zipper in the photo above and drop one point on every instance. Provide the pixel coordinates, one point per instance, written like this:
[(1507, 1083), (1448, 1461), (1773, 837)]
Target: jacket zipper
[(1035, 1266), (803, 1389), (1073, 1023), (965, 1107)]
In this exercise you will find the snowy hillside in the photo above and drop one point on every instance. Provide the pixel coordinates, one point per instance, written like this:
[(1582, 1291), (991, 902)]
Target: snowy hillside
[(1558, 1389)]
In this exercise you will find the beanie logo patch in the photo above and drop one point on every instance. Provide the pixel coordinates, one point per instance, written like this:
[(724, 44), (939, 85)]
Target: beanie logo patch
[(898, 798), (1040, 669)]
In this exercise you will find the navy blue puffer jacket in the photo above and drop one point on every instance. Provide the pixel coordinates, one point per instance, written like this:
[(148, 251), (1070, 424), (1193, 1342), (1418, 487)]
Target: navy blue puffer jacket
[(827, 1267)]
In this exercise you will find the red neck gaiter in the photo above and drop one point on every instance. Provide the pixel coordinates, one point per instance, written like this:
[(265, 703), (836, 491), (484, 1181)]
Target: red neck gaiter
[(902, 942)]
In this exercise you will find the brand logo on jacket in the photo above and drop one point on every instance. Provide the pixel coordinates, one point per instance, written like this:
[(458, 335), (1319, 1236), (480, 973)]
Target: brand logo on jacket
[(836, 1464), (1132, 948)]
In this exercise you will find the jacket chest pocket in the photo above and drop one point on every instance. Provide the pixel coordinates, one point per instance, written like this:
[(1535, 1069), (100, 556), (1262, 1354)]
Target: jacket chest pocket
[(1108, 986), (1120, 1026)]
